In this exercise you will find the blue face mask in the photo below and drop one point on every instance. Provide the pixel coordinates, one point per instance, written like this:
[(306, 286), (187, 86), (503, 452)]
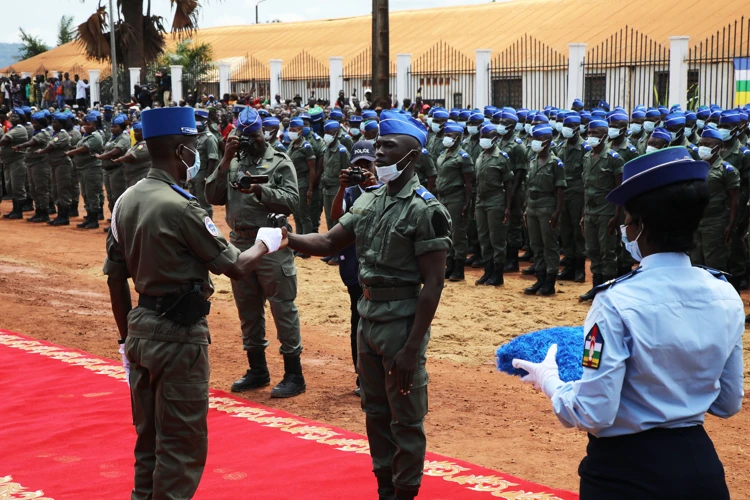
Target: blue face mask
[(193, 170), (631, 246), (305, 131)]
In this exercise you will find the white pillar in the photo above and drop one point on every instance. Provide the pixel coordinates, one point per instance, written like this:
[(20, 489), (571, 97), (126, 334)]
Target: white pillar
[(336, 75), (224, 76), (576, 77), (678, 70), (403, 63), (94, 86), (176, 74), (135, 79), (482, 79), (276, 80)]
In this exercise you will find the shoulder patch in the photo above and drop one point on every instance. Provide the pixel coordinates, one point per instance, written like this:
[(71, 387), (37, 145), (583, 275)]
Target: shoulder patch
[(593, 347), (745, 150), (464, 154), (373, 188), (721, 275), (632, 149), (518, 141), (609, 284), (694, 147), (424, 194), (183, 193), (503, 153), (614, 154), (586, 147), (728, 167), (342, 149), (317, 136), (425, 152), (306, 145), (280, 147), (560, 163), (211, 227)]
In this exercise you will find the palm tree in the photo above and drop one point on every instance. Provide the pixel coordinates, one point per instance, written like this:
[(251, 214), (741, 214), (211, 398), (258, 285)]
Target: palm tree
[(65, 31), (139, 36), (30, 46)]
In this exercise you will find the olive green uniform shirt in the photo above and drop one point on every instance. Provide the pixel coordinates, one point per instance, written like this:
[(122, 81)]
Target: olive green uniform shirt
[(95, 144), (208, 148), (60, 142), (599, 178), (543, 181), (516, 152), (335, 159), (300, 154), (425, 167), (142, 162), (451, 168), (39, 140), (122, 142), (572, 157), (721, 178), (493, 171), (18, 135)]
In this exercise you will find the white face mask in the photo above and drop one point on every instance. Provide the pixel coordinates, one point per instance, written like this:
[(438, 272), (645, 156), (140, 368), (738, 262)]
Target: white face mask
[(267, 135), (527, 127), (448, 142), (651, 149), (355, 132), (293, 136), (568, 132), (705, 153), (518, 127), (435, 127), (328, 138), (192, 171), (391, 172), (688, 131), (700, 124), (552, 123), (636, 128), (472, 130), (537, 146), (486, 142), (463, 124), (613, 133), (583, 128), (726, 134), (594, 141), (674, 136), (632, 246), (649, 126), (558, 126), (429, 121), (502, 129)]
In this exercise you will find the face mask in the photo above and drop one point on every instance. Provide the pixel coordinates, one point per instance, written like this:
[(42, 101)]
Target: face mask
[(391, 172), (463, 124), (613, 133), (473, 130), (700, 124), (293, 136), (305, 131), (527, 128), (192, 171), (636, 128), (502, 129), (518, 127), (328, 138), (688, 131), (651, 149), (568, 132), (583, 128), (355, 132), (429, 121), (267, 135), (594, 141), (200, 125), (674, 135), (448, 142), (435, 127), (537, 146), (705, 153), (558, 126), (486, 142), (632, 246), (552, 123), (726, 134), (649, 126)]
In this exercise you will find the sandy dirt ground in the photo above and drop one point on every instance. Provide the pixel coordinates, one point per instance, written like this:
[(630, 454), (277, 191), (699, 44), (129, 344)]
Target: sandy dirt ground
[(52, 288)]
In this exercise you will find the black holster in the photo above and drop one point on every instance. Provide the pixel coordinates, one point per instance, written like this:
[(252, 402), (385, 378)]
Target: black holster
[(185, 309)]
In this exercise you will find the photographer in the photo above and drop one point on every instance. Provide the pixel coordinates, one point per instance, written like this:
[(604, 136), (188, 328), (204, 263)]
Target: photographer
[(352, 183), (253, 181)]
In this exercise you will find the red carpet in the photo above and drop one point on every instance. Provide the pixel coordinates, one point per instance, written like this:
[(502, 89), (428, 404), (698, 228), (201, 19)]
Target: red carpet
[(67, 433)]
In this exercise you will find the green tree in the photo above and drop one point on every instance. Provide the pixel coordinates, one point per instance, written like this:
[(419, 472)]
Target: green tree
[(30, 46), (65, 30)]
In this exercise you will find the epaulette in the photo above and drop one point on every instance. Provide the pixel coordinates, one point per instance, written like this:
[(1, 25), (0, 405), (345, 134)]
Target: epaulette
[(504, 154), (372, 188), (343, 149), (745, 150), (552, 144), (560, 163), (317, 136), (614, 154), (632, 149), (721, 275), (279, 146), (518, 141), (306, 145), (728, 167), (464, 154), (443, 152), (609, 284), (424, 194), (182, 192), (425, 151), (586, 147), (693, 147)]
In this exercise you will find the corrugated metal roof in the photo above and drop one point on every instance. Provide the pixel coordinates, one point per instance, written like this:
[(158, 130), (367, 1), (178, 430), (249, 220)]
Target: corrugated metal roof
[(494, 26)]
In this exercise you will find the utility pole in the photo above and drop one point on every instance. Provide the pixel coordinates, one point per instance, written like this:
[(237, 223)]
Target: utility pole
[(256, 9), (114, 53), (380, 51)]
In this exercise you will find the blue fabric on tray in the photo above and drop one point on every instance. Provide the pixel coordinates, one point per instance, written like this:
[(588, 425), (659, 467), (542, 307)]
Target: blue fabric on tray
[(534, 346)]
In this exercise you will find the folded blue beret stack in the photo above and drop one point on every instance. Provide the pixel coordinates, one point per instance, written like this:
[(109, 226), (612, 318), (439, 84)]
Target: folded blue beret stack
[(534, 346)]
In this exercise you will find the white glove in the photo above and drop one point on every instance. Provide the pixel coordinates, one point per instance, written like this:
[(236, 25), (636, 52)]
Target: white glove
[(125, 363), (543, 375), (271, 236)]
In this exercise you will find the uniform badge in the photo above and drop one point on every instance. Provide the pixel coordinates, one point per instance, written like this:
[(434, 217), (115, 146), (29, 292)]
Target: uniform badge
[(54, 140), (211, 227), (592, 348), (140, 146)]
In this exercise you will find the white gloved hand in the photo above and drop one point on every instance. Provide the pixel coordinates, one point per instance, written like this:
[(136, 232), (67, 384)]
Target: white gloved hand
[(125, 363), (271, 236), (544, 375)]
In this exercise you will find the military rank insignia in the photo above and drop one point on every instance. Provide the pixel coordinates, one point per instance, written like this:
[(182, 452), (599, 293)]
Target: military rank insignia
[(592, 348)]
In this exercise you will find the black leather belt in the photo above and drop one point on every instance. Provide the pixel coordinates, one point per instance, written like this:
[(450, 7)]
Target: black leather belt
[(185, 309), (395, 293), (538, 195)]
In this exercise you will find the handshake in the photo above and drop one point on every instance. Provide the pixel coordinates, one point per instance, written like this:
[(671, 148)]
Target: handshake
[(275, 237)]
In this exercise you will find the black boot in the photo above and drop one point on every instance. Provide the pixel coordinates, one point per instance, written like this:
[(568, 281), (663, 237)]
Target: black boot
[(569, 272), (86, 219), (489, 267), (511, 262), (458, 271), (293, 382), (405, 495), (33, 218), (526, 257), (42, 216), (597, 280), (549, 285), (386, 491), (536, 286), (73, 210), (93, 222), (529, 271), (565, 262), (27, 205), (63, 217), (257, 376), (450, 265), (15, 212), (580, 276), (497, 277), (100, 214), (51, 209)]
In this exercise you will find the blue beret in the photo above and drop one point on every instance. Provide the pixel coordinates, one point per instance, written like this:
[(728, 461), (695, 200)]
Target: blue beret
[(249, 121), (335, 113), (26, 110), (271, 121), (675, 107), (662, 133), (489, 111), (596, 123), (522, 114), (729, 116), (638, 114), (453, 115), (572, 119), (202, 113), (743, 115), (369, 115), (488, 127), (37, 116), (392, 123), (715, 107), (137, 126), (91, 117), (639, 107), (509, 115), (119, 119), (599, 113), (304, 116), (553, 113), (440, 113), (541, 129), (370, 125), (703, 113), (263, 113), (690, 116), (585, 115), (476, 117), (331, 125), (603, 104), (109, 107), (61, 117), (534, 346), (617, 116), (715, 115), (451, 126), (663, 110), (355, 119), (712, 133), (296, 122), (652, 113), (540, 117), (237, 108), (660, 168), (95, 113), (168, 121), (577, 102), (674, 119), (317, 115), (46, 113), (464, 115)]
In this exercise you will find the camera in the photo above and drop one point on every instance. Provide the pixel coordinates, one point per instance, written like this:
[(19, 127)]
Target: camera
[(277, 220), (245, 180), (245, 145), (356, 176)]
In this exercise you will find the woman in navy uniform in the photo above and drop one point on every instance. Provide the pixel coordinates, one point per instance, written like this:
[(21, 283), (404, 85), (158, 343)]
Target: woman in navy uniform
[(663, 346)]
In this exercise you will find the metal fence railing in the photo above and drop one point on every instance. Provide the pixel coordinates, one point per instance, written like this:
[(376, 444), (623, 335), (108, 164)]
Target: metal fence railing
[(307, 77), (443, 76), (357, 73), (252, 77)]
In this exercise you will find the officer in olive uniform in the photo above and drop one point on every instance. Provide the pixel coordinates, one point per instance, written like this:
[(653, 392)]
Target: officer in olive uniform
[(61, 166), (275, 279), (303, 157), (13, 166), (316, 201), (571, 152), (426, 171), (454, 183), (271, 126), (717, 224), (165, 242), (335, 159), (89, 170), (109, 111), (400, 229), (435, 145), (137, 161), (546, 196), (117, 145), (75, 137), (37, 167), (208, 150), (493, 207), (471, 143), (675, 123), (344, 139), (602, 172)]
